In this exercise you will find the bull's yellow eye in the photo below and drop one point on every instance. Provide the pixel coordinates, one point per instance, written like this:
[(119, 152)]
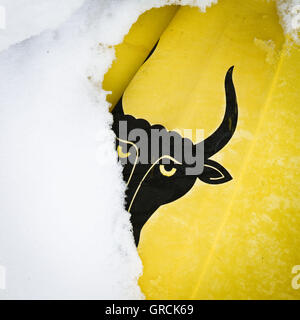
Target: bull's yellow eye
[(122, 154), (166, 172)]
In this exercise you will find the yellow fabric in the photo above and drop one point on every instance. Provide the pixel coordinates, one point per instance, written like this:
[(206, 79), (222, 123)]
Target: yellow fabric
[(239, 240), (134, 49)]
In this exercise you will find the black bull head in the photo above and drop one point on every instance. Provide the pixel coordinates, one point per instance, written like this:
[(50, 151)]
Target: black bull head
[(155, 183)]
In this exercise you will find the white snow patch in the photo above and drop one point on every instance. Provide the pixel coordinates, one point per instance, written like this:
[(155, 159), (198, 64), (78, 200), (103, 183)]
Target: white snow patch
[(26, 18), (63, 231), (289, 12)]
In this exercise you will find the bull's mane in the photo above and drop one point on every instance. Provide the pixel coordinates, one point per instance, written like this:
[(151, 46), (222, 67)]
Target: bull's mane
[(134, 123)]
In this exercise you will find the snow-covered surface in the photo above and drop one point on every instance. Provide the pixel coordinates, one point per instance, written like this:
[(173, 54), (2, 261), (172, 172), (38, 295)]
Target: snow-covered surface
[(289, 11), (26, 18), (63, 230)]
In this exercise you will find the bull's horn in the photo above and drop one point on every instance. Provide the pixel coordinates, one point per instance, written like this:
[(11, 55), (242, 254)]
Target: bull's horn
[(118, 109), (223, 134)]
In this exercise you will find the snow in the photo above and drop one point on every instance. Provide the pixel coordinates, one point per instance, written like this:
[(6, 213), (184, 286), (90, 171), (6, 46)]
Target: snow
[(289, 12), (64, 233), (26, 18)]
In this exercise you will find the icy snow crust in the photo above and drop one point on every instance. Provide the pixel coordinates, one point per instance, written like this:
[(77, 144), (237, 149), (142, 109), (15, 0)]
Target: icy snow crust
[(26, 18), (63, 231), (289, 11)]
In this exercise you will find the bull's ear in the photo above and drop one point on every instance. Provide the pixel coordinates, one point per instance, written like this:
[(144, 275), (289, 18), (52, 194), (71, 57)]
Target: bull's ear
[(214, 173)]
